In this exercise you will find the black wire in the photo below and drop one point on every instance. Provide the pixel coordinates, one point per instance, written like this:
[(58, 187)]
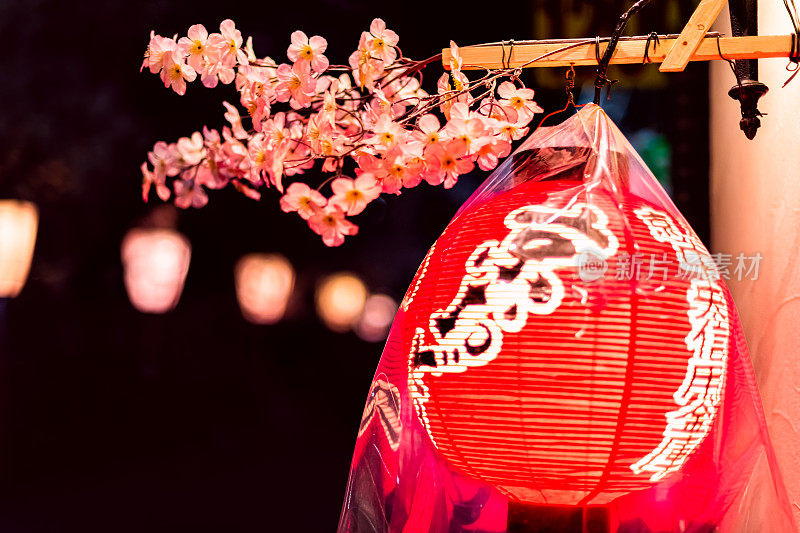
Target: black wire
[(602, 68), (792, 10)]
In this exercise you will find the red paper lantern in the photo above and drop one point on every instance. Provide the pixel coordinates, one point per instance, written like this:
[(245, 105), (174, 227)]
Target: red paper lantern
[(562, 346), (565, 358)]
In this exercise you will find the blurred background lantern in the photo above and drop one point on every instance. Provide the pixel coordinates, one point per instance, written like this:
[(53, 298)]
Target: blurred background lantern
[(155, 261), (264, 284), (18, 225), (376, 318), (340, 300)]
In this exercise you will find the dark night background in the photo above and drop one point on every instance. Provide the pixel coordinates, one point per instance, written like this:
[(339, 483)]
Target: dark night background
[(111, 420)]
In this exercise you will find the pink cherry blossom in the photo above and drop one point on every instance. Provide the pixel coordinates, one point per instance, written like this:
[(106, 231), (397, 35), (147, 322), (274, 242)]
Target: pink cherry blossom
[(447, 161), (295, 85), (233, 43), (275, 130), (428, 130), (387, 133), (219, 64), (192, 149), (208, 175), (149, 179), (211, 139), (513, 131), (195, 46), (308, 50), (491, 151), (382, 41), (303, 199), (298, 159), (465, 126), (393, 171), (163, 157), (329, 113), (353, 195), (332, 225), (189, 194), (256, 79), (520, 100), (259, 109), (276, 168), (448, 96), (260, 155), (158, 46), (232, 116), (316, 129), (415, 171), (209, 75), (233, 155), (403, 92), (175, 73), (331, 145), (455, 58), (366, 68)]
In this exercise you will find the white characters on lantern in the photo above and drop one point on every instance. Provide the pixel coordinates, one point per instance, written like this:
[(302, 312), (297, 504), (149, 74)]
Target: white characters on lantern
[(699, 395), (506, 281)]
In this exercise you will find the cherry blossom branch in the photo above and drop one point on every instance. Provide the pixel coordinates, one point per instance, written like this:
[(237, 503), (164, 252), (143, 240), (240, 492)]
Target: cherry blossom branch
[(310, 114)]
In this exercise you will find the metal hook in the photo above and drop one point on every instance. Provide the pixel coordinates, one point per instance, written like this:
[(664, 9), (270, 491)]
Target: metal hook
[(730, 64), (793, 65), (507, 61), (597, 48), (570, 77), (656, 41)]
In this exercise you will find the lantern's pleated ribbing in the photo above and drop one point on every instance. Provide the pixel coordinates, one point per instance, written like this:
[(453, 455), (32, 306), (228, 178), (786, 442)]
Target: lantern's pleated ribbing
[(578, 395)]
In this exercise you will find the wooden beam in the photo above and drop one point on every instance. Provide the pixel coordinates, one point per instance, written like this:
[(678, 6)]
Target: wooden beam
[(581, 52), (692, 35)]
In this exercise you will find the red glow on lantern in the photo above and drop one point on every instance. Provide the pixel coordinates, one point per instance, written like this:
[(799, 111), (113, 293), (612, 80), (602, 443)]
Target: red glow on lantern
[(537, 368)]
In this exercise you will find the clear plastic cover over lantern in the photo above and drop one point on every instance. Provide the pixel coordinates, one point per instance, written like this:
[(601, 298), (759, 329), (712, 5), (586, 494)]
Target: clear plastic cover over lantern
[(566, 358)]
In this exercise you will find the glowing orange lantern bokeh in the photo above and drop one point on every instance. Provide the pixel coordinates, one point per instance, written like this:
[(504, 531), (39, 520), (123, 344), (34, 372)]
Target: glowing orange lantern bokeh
[(264, 284), (18, 225), (340, 300), (376, 318), (156, 262)]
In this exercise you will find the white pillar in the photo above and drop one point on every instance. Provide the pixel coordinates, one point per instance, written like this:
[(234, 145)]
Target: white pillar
[(755, 207)]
